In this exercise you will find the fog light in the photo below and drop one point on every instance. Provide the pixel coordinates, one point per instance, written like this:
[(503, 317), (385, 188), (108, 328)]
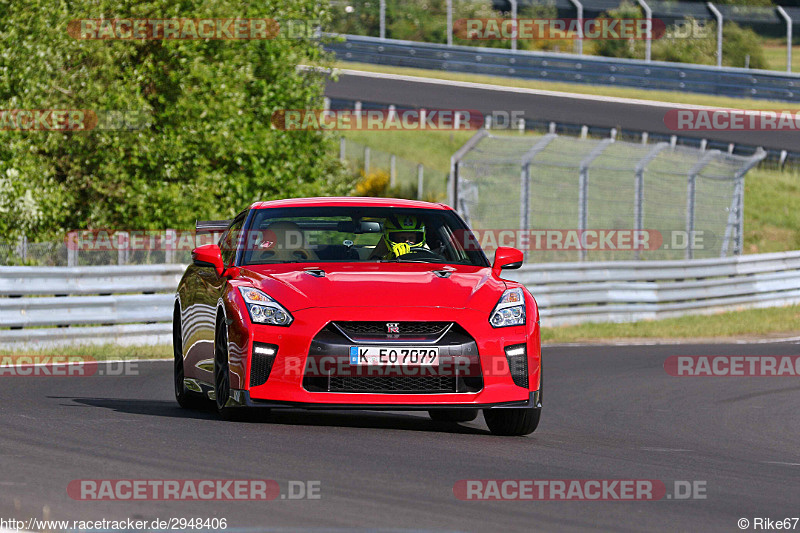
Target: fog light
[(517, 357), (261, 361)]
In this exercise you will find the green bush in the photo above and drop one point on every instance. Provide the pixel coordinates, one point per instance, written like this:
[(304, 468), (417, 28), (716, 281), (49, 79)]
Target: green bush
[(619, 47), (675, 47)]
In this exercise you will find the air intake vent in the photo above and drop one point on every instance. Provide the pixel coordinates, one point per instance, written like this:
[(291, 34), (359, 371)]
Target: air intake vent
[(517, 357), (261, 362)]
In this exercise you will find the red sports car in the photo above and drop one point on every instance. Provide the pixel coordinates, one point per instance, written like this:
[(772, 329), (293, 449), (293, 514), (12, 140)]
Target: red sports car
[(357, 303)]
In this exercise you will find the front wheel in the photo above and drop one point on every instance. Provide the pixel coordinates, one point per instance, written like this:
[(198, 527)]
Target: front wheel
[(222, 377), (512, 422), (453, 415)]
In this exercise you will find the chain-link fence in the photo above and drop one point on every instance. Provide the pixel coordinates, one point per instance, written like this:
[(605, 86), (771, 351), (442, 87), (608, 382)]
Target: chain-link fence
[(406, 178), (565, 198), (100, 252)]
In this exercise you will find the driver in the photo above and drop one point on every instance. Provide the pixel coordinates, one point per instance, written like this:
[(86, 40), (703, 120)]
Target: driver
[(402, 234)]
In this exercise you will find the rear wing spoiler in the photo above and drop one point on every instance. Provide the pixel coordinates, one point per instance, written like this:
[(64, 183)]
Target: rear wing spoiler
[(212, 226)]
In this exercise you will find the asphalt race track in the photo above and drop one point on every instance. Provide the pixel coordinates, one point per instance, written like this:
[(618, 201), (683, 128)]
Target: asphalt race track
[(609, 413), (565, 108)]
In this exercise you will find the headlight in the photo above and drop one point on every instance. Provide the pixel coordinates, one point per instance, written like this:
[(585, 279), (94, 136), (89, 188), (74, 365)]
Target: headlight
[(510, 310), (263, 309)]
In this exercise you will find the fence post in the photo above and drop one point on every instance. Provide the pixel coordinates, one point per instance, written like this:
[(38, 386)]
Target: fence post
[(579, 9), (123, 246), (366, 160), (648, 13), (691, 186), (383, 19), (789, 22), (392, 170), (736, 211), (583, 193), (72, 255), (515, 36), (170, 243), (525, 180), (455, 161), (638, 207), (718, 16), (22, 249), (420, 181), (449, 22)]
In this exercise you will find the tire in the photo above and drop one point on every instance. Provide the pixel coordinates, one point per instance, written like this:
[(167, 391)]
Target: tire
[(512, 422), (453, 415), (222, 376), (185, 398)]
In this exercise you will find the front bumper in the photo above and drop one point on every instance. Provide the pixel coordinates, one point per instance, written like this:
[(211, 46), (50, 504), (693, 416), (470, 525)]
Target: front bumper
[(242, 398), (285, 385)]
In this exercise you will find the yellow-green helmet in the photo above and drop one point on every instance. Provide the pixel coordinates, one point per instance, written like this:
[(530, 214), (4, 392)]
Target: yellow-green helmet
[(398, 224)]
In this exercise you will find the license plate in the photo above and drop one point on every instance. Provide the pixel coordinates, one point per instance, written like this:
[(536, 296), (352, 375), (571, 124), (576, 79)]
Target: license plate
[(385, 356)]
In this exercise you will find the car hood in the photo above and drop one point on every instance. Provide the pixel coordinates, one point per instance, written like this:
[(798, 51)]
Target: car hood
[(376, 285)]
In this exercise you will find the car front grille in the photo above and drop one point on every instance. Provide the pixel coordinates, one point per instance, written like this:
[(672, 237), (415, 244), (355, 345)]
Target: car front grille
[(427, 331), (328, 367), (394, 384)]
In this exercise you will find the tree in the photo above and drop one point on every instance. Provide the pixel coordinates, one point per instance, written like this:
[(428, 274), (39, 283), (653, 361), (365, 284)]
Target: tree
[(208, 148)]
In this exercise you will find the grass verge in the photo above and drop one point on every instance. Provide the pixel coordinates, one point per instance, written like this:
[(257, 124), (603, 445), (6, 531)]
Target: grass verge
[(773, 321), (105, 352), (576, 88), (775, 54)]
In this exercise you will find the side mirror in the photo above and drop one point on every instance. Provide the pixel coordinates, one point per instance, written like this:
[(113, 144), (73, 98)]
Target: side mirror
[(208, 255), (506, 258)]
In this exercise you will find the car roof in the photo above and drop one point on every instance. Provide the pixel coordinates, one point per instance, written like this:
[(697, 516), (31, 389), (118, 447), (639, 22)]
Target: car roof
[(348, 201)]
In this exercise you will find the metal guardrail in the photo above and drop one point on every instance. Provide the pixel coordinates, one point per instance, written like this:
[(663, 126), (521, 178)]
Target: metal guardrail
[(567, 293), (627, 291), (549, 66), (54, 306)]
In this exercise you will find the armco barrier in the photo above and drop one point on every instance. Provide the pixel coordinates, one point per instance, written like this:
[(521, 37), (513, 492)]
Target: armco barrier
[(100, 305), (548, 66), (627, 291), (92, 305)]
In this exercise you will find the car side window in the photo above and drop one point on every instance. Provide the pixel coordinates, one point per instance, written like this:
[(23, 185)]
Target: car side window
[(229, 241)]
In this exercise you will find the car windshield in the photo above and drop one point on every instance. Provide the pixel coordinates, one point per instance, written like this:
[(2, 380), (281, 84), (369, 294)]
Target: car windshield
[(358, 234)]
